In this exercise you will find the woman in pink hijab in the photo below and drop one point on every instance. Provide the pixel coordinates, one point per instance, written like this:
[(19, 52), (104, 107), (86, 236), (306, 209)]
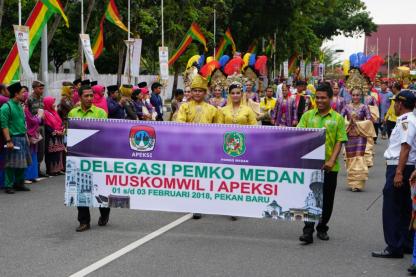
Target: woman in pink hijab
[(54, 138), (99, 99)]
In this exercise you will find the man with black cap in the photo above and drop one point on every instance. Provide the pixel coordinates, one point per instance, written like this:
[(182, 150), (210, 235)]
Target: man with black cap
[(87, 110), (17, 157), (35, 103), (400, 159), (115, 107), (156, 100)]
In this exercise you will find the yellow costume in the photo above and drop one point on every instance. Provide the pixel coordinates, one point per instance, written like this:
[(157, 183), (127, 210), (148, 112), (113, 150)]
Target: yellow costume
[(243, 115), (267, 104), (391, 114), (193, 112)]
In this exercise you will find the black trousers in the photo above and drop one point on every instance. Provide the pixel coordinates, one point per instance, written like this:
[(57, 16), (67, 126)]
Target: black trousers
[(84, 216), (390, 126), (397, 211), (329, 188)]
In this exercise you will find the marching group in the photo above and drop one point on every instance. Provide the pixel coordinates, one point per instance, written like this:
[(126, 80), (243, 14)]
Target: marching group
[(34, 130)]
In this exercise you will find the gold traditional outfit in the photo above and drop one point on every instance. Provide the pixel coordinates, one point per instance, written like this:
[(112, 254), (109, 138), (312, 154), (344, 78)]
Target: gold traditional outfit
[(243, 116)]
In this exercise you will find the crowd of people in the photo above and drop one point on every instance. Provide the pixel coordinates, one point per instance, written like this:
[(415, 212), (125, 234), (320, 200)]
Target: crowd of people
[(34, 130)]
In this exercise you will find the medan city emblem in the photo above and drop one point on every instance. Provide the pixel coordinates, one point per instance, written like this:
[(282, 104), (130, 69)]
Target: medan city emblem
[(234, 144), (142, 138)]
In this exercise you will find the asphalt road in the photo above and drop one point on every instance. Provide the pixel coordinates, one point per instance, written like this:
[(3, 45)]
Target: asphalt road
[(38, 238)]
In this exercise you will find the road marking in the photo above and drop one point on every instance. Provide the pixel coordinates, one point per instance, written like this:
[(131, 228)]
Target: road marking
[(98, 264)]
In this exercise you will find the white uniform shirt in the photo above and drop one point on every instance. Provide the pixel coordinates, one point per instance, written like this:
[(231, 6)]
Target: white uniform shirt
[(400, 135)]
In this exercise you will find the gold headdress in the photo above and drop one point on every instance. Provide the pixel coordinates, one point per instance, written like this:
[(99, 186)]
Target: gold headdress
[(357, 81), (249, 74), (218, 79), (189, 74), (199, 82), (235, 79)]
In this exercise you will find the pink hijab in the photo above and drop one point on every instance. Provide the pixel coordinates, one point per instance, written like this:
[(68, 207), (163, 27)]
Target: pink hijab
[(99, 99), (52, 118)]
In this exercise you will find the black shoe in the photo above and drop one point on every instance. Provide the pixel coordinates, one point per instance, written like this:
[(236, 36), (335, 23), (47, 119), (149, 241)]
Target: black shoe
[(9, 190), (412, 269), (322, 235), (196, 216), (407, 250), (306, 238), (233, 218), (83, 227), (21, 188), (43, 175), (102, 221), (386, 254)]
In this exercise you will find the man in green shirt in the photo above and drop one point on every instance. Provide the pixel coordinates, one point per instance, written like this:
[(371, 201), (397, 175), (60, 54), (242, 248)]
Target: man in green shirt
[(88, 110), (17, 157), (324, 117)]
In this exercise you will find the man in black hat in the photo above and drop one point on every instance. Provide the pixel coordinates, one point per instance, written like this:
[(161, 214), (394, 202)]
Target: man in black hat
[(17, 157), (35, 103), (115, 107), (156, 100), (400, 159)]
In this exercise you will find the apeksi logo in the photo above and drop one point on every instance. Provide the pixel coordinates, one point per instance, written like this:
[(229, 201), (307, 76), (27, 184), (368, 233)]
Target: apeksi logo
[(234, 144), (142, 138)]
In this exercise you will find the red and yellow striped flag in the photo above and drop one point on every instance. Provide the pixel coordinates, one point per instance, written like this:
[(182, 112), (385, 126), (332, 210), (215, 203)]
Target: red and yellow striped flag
[(39, 16), (225, 41)]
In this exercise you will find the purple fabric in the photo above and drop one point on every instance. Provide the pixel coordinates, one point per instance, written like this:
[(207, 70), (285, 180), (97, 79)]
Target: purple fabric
[(32, 123), (337, 104), (362, 112), (287, 109)]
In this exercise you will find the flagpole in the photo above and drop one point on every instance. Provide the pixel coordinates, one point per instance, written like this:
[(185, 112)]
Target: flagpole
[(274, 57), (20, 12), (377, 47), (163, 31), (44, 57), (215, 29), (82, 32), (128, 43), (388, 59)]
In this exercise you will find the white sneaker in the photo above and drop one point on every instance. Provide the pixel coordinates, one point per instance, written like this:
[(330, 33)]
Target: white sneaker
[(27, 182)]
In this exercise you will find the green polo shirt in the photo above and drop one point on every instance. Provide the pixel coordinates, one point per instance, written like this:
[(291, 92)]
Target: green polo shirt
[(335, 129), (92, 112), (13, 118)]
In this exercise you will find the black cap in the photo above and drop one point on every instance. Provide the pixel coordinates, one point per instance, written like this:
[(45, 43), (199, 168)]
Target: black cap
[(77, 81), (111, 89), (407, 97), (85, 82), (14, 88), (94, 83), (142, 85)]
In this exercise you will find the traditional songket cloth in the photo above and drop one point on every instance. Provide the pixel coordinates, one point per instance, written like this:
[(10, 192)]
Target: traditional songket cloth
[(218, 102), (54, 138), (284, 112), (193, 112), (13, 118), (337, 104), (32, 124), (99, 99), (359, 134)]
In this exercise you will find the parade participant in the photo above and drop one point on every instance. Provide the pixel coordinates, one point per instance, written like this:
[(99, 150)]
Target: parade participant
[(115, 107), (128, 105), (4, 97), (337, 102), (137, 98), (302, 102), (156, 100), (99, 98), (217, 100), (324, 117), (187, 94), (79, 83), (54, 138), (197, 110), (17, 156), (359, 130), (35, 102), (235, 112), (385, 96), (178, 98), (343, 92), (88, 110), (400, 159), (267, 105), (284, 112), (32, 125), (4, 94), (390, 118), (250, 93), (66, 105)]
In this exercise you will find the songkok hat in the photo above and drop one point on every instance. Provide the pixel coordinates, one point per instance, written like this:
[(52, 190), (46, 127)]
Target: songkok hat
[(112, 89), (94, 83), (199, 82), (36, 84), (126, 90), (142, 84), (14, 88), (77, 81), (85, 82)]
